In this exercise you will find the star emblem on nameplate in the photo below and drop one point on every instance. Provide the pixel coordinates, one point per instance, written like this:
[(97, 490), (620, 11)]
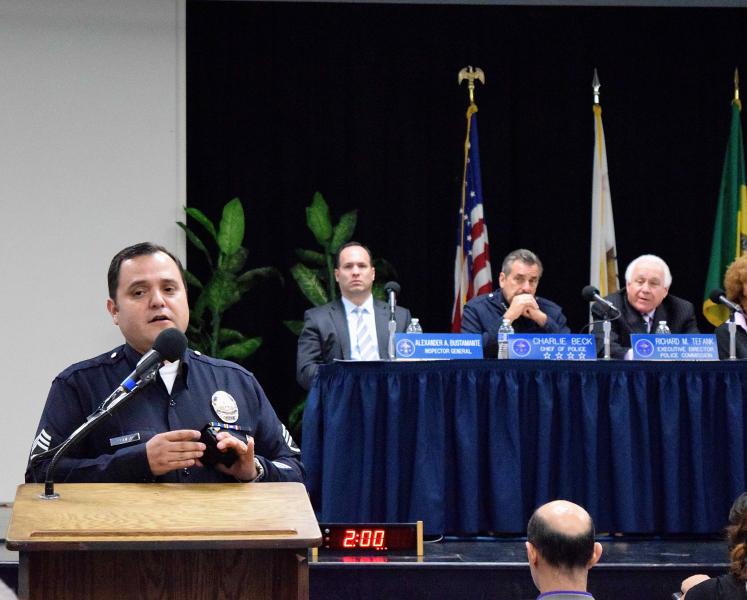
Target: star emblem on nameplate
[(405, 348), (644, 348), (521, 347)]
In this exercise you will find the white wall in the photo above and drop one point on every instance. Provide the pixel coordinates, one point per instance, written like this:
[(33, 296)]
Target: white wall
[(92, 159)]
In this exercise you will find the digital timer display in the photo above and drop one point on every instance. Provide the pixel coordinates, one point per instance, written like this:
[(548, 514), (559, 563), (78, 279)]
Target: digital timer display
[(371, 537)]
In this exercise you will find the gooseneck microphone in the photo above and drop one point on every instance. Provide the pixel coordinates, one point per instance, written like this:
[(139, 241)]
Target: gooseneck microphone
[(591, 294), (392, 288), (168, 346), (719, 297)]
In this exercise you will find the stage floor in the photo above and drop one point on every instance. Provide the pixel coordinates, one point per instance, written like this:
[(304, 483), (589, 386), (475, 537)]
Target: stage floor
[(490, 568), (619, 552)]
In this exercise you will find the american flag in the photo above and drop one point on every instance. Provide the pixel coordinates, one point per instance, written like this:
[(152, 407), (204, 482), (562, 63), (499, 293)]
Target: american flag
[(472, 275)]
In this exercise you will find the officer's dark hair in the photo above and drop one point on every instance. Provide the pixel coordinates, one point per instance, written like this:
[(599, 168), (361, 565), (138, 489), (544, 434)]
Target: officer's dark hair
[(558, 549), (141, 249), (522, 254), (348, 245)]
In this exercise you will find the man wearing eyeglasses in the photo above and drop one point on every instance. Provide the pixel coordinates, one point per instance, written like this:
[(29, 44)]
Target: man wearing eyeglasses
[(643, 303), (516, 300)]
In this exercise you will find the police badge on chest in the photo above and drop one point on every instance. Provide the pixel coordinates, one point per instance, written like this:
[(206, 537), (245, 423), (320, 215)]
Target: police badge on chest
[(225, 406)]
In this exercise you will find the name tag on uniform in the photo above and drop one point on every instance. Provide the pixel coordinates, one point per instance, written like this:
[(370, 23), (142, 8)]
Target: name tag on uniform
[(552, 346), (682, 346), (124, 439)]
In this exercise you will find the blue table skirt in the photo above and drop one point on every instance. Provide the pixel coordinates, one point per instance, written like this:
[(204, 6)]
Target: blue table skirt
[(476, 446)]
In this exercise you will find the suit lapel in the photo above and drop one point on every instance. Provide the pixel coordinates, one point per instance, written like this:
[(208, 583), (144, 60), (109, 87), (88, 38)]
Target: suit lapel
[(381, 315), (635, 320), (340, 321)]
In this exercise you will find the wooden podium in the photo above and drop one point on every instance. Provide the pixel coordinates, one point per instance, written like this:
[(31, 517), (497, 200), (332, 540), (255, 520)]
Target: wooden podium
[(128, 540)]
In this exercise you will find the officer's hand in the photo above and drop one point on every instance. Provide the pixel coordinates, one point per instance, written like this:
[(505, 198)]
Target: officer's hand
[(535, 314), (520, 304), (244, 468), (173, 450)]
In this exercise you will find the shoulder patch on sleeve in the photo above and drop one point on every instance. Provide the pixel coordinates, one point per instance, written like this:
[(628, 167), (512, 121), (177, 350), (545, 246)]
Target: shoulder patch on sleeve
[(289, 440)]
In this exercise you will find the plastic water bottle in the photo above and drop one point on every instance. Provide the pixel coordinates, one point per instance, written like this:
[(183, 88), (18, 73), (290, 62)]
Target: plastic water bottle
[(414, 326), (503, 332), (663, 328)]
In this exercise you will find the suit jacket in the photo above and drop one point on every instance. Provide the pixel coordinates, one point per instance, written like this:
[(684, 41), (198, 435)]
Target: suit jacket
[(325, 336), (484, 314), (678, 313), (722, 338)]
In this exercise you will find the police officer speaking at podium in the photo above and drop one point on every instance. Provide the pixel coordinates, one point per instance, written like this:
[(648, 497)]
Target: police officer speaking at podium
[(156, 435), (516, 300)]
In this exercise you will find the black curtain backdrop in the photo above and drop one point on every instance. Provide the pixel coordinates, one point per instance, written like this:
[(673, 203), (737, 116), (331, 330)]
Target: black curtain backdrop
[(361, 102)]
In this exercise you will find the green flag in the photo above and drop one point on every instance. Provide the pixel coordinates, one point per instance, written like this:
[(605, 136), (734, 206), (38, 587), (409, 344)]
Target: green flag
[(730, 230)]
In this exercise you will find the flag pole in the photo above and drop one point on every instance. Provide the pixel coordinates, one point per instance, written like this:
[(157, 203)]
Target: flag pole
[(595, 87), (730, 224), (463, 278), (470, 74), (736, 89)]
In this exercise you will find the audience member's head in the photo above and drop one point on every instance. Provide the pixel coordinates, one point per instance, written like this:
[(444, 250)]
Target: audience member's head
[(736, 531), (561, 547)]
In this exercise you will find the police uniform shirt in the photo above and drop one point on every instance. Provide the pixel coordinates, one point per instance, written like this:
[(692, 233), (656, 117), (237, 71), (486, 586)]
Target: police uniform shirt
[(205, 390)]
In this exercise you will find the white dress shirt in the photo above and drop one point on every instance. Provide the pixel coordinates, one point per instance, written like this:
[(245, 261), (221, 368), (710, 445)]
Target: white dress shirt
[(368, 317)]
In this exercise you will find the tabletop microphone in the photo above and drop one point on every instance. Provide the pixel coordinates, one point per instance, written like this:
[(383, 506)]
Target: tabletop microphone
[(591, 294), (719, 297), (392, 288)]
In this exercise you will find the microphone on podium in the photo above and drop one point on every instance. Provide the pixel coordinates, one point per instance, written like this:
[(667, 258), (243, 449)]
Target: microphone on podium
[(168, 346)]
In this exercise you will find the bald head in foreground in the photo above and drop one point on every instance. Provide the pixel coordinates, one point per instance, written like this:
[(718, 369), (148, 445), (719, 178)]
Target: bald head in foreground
[(561, 550)]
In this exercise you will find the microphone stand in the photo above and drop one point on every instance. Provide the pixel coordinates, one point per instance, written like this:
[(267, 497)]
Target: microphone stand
[(606, 328), (392, 325), (91, 422), (732, 337)]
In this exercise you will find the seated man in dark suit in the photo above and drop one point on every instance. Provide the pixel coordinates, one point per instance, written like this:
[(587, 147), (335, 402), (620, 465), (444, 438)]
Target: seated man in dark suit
[(355, 327), (515, 301), (643, 303)]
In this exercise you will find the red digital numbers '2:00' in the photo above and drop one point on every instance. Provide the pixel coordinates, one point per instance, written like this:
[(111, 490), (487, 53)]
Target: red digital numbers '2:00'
[(364, 538)]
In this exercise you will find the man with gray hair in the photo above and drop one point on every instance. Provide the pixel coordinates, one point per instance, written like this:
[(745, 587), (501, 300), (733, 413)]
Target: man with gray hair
[(643, 303), (561, 550), (516, 300)]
